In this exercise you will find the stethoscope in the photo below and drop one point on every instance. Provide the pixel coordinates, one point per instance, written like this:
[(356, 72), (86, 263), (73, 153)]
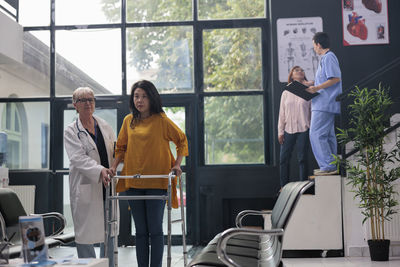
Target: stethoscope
[(84, 132)]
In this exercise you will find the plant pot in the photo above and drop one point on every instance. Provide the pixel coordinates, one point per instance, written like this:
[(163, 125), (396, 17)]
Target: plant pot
[(379, 249)]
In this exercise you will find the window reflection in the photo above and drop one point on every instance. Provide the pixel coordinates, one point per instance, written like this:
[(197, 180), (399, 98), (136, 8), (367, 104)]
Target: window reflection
[(26, 72), (27, 134), (231, 9), (155, 10), (92, 59), (232, 59), (87, 11), (233, 130), (177, 115), (163, 55), (34, 13)]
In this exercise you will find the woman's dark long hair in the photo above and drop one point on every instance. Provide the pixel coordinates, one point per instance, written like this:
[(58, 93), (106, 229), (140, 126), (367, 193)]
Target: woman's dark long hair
[(154, 99)]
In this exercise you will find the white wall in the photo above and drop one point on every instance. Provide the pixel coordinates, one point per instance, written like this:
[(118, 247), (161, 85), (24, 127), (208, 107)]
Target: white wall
[(11, 39)]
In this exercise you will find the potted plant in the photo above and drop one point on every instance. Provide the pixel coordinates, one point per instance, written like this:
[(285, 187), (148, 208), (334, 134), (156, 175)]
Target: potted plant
[(373, 169)]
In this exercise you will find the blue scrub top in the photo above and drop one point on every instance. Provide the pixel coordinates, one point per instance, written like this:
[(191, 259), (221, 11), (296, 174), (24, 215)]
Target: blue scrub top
[(327, 68)]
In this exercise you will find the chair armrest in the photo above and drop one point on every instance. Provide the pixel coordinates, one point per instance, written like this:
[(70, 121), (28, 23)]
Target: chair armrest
[(244, 213), (229, 233), (3, 227), (65, 238), (57, 216)]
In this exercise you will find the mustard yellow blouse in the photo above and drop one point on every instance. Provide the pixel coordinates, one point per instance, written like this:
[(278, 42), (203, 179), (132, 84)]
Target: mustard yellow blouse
[(145, 150)]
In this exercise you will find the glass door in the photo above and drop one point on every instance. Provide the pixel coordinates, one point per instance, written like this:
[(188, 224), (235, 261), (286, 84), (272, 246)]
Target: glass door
[(114, 112), (65, 115)]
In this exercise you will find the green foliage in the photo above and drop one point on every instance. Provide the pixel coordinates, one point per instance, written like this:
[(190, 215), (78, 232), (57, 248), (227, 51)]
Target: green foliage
[(231, 58), (230, 9), (158, 10), (112, 10), (233, 129), (370, 175)]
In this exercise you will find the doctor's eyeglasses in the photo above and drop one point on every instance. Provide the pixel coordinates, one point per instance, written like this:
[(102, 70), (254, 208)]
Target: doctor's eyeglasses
[(84, 100)]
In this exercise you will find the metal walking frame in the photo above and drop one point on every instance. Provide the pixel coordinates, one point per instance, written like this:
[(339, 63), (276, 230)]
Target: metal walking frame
[(111, 217)]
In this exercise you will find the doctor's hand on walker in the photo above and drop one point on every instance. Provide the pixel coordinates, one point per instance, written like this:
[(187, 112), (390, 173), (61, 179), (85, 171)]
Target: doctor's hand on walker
[(105, 176), (113, 168)]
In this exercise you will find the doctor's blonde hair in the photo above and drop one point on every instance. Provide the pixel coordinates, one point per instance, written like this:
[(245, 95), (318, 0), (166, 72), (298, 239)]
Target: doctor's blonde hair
[(80, 91)]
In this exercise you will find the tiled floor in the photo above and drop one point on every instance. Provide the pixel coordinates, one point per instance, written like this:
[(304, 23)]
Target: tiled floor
[(127, 257), (341, 262)]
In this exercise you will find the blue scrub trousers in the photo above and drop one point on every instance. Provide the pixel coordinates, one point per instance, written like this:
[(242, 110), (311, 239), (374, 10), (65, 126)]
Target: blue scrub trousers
[(148, 217), (301, 140), (323, 139)]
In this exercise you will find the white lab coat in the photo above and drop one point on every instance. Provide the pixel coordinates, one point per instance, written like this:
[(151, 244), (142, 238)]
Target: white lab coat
[(85, 184)]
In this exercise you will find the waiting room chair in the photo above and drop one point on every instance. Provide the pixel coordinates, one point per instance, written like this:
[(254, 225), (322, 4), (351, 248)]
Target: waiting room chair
[(10, 210)]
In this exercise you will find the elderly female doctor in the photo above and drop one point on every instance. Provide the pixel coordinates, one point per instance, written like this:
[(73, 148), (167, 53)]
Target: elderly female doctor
[(89, 142)]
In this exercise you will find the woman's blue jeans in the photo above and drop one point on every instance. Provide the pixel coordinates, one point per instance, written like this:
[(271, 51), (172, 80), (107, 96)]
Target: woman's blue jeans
[(300, 139), (148, 217)]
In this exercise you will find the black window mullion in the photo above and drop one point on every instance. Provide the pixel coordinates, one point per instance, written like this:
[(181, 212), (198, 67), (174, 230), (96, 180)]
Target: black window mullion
[(52, 164), (123, 46)]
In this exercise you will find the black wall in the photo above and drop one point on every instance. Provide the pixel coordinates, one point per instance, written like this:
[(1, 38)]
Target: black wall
[(356, 62), (222, 192)]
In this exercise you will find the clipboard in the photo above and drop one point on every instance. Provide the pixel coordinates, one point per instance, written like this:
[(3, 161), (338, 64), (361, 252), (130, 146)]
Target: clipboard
[(299, 89)]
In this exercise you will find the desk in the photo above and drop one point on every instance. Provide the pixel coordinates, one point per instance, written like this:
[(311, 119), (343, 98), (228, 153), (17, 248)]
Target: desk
[(92, 263)]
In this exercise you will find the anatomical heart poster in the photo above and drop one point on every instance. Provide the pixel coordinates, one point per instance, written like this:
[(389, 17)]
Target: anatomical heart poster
[(365, 22)]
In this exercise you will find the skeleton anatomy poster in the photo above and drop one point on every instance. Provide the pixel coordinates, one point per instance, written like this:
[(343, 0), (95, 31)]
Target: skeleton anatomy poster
[(295, 45), (365, 22)]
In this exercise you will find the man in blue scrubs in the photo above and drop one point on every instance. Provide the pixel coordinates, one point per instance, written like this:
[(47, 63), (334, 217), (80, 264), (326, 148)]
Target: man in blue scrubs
[(324, 106)]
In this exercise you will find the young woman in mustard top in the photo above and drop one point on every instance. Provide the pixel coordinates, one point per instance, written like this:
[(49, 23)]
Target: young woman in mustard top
[(143, 147)]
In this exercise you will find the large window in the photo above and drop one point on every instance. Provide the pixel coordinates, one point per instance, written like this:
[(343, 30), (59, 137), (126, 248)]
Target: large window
[(34, 13), (11, 125), (232, 59), (88, 58), (177, 115), (217, 62), (163, 55), (87, 12), (156, 10), (231, 9), (25, 72), (26, 126), (207, 58), (233, 131)]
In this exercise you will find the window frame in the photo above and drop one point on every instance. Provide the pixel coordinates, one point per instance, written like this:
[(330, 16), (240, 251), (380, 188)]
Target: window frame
[(194, 101)]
